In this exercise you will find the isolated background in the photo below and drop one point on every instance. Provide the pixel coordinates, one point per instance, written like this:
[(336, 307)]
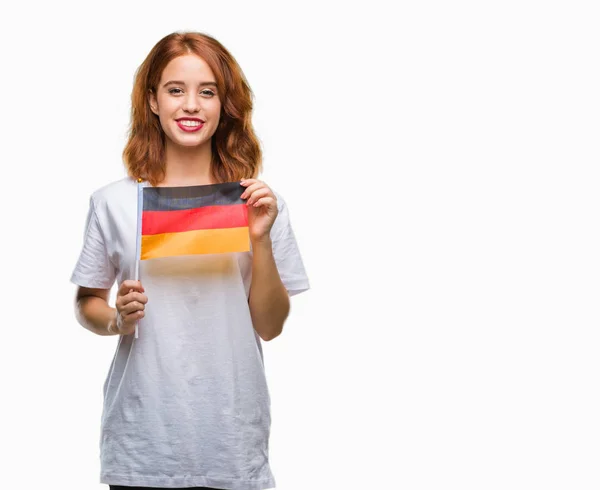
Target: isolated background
[(440, 163)]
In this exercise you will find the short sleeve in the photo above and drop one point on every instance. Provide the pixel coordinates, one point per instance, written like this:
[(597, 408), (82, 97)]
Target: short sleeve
[(94, 268), (285, 252)]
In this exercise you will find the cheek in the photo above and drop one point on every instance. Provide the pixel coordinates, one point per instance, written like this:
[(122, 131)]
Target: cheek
[(215, 113), (167, 111), (215, 106), (164, 118), (166, 104)]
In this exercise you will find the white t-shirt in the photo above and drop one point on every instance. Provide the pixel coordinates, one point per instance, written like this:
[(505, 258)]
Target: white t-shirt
[(186, 403)]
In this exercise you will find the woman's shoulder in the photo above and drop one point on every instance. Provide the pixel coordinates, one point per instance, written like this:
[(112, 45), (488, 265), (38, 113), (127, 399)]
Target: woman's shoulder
[(280, 200), (114, 191), (282, 219)]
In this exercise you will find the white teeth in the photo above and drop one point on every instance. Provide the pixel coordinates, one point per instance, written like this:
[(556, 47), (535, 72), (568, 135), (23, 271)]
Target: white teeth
[(190, 123)]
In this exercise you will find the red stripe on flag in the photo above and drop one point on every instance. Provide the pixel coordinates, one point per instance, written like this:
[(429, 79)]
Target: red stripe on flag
[(206, 217)]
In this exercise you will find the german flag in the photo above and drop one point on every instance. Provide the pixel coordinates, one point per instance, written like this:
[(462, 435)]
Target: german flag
[(200, 219)]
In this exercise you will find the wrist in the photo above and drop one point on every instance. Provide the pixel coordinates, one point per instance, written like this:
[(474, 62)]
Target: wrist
[(265, 243), (112, 325)]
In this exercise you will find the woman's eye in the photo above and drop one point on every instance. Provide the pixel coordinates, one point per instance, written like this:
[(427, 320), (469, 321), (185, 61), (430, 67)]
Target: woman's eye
[(176, 91)]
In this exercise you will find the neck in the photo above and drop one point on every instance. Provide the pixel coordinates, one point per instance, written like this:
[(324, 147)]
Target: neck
[(187, 165)]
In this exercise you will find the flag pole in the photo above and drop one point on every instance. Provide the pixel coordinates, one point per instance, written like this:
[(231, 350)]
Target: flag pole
[(140, 203)]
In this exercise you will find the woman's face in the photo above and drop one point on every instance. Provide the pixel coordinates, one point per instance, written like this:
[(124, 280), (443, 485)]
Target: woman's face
[(187, 102)]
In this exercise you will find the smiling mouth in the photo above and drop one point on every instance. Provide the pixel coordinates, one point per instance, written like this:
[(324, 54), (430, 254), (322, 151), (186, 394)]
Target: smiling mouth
[(190, 126)]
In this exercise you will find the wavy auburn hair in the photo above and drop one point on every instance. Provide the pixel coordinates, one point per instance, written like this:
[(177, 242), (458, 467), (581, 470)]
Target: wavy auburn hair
[(236, 152)]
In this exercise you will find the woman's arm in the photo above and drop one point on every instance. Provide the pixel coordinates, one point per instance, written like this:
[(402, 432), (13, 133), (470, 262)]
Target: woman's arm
[(268, 299), (92, 310)]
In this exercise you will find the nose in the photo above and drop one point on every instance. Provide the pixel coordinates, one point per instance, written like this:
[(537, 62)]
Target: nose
[(191, 103)]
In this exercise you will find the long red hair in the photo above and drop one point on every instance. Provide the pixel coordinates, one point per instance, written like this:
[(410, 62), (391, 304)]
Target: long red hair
[(236, 152)]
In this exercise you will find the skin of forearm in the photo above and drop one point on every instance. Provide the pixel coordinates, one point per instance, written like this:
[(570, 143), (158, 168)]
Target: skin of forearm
[(95, 314), (268, 299)]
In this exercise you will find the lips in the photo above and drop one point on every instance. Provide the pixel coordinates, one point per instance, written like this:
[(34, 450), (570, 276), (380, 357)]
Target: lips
[(195, 125)]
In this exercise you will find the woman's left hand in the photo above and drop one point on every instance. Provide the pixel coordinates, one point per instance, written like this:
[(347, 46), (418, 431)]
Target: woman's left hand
[(262, 208)]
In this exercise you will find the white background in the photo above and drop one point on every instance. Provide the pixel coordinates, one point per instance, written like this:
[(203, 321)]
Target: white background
[(440, 163)]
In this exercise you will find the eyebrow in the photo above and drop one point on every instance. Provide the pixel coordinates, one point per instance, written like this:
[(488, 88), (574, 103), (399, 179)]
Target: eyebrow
[(179, 82)]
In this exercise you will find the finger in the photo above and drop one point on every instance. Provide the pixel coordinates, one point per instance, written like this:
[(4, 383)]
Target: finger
[(129, 284), (132, 318), (127, 325), (124, 300), (132, 306), (135, 296), (128, 293), (246, 182), (256, 195), (127, 322), (265, 201), (249, 192), (252, 189)]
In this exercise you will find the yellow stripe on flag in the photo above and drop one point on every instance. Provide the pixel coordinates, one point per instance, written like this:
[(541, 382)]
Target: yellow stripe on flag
[(211, 241)]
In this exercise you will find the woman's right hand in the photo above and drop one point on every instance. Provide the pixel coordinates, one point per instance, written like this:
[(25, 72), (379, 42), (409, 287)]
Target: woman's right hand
[(131, 302)]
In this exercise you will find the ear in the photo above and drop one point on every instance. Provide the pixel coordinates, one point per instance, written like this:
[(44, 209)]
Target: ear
[(152, 102)]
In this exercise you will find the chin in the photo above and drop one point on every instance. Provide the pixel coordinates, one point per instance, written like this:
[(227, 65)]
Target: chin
[(190, 143)]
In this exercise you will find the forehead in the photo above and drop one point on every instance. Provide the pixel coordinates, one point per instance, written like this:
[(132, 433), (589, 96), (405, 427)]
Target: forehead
[(187, 67)]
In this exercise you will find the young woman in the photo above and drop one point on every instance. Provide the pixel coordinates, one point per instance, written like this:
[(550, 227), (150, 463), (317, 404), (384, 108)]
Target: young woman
[(186, 403)]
